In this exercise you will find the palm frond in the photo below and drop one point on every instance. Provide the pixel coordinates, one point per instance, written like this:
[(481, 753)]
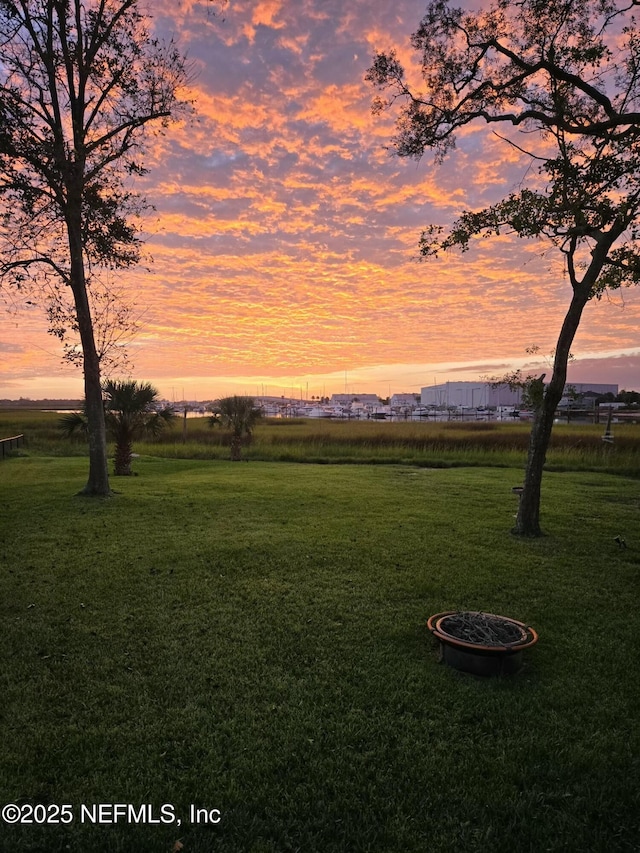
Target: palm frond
[(73, 423), (130, 413)]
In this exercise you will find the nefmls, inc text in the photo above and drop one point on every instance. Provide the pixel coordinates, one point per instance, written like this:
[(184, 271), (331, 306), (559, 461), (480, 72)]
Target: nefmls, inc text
[(112, 813), (109, 813)]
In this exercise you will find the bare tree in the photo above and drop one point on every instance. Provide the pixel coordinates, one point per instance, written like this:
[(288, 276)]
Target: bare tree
[(566, 75), (115, 323), (80, 82)]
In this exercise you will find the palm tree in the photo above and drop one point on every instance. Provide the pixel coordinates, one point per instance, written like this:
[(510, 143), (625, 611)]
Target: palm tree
[(239, 415), (130, 414)]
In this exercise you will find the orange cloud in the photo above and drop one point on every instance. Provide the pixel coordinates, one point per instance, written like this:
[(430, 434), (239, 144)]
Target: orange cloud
[(284, 236)]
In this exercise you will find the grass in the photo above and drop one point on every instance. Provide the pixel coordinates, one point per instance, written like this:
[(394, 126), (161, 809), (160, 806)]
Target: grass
[(251, 638), (434, 445)]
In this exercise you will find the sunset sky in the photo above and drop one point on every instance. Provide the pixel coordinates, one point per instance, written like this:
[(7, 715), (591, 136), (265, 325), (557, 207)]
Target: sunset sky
[(284, 239)]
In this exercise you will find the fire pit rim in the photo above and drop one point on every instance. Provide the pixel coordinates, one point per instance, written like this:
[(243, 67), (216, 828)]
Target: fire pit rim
[(530, 636)]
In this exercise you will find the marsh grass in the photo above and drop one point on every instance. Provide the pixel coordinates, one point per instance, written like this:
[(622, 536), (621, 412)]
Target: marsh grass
[(41, 431), (448, 444), (252, 638), (424, 444)]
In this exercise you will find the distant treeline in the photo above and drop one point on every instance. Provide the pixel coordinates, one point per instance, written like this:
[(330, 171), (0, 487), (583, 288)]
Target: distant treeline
[(26, 403)]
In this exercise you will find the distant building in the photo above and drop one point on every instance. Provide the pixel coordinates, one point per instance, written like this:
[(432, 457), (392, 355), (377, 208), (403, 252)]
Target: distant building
[(591, 388), (583, 395), (474, 395), (404, 401), (469, 395), (348, 399)]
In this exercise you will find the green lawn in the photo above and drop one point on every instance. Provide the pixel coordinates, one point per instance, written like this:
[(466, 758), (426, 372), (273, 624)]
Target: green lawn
[(251, 638)]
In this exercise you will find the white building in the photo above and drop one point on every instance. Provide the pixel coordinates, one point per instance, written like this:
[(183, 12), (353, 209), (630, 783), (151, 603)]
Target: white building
[(474, 395), (469, 395), (404, 401), (348, 399)]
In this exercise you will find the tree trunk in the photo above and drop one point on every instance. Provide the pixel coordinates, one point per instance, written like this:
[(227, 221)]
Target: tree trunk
[(528, 518), (98, 482), (236, 448), (123, 456)]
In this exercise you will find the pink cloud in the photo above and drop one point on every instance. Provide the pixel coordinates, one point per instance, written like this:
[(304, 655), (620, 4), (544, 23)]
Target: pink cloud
[(285, 235)]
